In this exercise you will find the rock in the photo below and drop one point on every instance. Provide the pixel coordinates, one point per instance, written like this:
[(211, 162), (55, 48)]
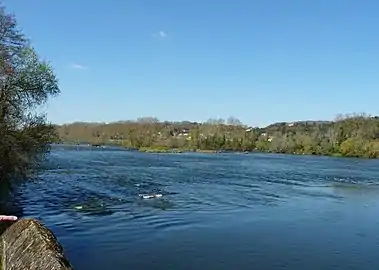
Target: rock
[(27, 244)]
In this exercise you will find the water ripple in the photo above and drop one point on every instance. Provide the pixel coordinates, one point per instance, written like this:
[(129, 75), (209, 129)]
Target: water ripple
[(91, 196)]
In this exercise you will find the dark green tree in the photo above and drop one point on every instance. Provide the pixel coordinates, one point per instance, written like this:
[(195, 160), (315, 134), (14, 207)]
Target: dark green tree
[(26, 83)]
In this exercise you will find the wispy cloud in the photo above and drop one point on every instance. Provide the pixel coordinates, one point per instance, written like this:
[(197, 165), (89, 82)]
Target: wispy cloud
[(78, 66), (161, 34)]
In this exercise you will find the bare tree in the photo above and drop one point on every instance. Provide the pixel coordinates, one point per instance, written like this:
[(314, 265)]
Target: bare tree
[(233, 121), (215, 121), (147, 120)]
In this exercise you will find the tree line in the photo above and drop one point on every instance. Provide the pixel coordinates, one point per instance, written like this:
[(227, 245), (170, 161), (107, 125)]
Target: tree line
[(355, 135)]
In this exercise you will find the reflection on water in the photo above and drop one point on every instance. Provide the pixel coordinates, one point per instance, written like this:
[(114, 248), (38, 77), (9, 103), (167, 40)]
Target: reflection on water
[(217, 211)]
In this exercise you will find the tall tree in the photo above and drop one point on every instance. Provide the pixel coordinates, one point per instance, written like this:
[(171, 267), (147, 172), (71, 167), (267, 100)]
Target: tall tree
[(26, 83)]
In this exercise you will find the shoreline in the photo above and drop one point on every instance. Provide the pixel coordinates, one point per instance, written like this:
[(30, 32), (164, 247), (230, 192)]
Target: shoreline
[(177, 151), (162, 150)]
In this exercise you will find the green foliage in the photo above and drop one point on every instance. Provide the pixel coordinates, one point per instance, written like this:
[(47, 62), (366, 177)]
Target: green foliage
[(352, 135), (26, 82)]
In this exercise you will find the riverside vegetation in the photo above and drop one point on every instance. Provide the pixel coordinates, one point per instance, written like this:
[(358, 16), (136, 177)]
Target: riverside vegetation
[(26, 83), (355, 135)]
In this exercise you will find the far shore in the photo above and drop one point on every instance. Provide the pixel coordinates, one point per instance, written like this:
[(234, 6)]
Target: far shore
[(157, 150), (176, 150)]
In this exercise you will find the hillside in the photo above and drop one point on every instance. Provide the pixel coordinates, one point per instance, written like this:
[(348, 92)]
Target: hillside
[(354, 135)]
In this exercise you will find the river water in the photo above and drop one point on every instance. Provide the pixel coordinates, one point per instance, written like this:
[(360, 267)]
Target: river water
[(218, 211)]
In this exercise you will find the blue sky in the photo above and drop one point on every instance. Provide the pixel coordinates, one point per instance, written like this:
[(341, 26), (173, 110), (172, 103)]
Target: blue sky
[(260, 61)]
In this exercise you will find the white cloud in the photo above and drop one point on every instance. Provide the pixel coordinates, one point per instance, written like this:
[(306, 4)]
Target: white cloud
[(78, 66), (161, 34)]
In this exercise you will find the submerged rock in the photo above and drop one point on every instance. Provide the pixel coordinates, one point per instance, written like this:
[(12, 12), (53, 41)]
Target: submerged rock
[(93, 208), (27, 244)]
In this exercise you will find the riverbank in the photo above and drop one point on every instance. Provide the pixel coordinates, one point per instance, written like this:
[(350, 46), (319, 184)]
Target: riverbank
[(351, 136), (178, 151), (163, 149)]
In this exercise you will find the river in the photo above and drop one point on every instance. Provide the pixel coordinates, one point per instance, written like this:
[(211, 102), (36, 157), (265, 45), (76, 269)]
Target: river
[(218, 211)]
